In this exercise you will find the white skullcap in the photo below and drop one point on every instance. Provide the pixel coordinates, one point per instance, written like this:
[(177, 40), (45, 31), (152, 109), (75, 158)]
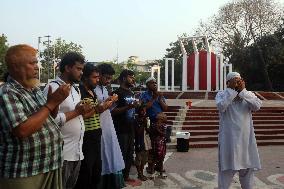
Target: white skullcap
[(232, 75), (150, 79)]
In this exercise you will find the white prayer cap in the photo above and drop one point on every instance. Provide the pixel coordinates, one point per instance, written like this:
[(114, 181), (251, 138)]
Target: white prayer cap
[(232, 75), (150, 79)]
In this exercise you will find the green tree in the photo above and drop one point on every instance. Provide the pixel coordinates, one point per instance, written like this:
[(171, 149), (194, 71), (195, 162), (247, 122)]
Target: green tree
[(54, 53), (238, 24), (272, 50), (3, 50), (117, 68), (130, 65)]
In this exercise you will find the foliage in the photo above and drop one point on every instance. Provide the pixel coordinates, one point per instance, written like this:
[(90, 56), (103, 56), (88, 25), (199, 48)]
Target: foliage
[(248, 60), (3, 49), (117, 68), (54, 53), (238, 26)]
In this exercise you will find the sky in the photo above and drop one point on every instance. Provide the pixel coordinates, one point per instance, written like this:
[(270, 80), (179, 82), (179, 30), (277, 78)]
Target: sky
[(105, 28)]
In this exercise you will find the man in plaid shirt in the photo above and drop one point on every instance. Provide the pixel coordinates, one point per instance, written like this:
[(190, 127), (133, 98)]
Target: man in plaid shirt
[(30, 140)]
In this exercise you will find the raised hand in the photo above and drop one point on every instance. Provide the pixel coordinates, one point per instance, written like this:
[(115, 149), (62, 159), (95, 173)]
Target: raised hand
[(241, 85), (58, 96), (233, 83), (83, 108), (114, 97)]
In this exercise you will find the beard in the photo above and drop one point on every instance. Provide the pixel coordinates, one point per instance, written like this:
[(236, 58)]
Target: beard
[(74, 79), (32, 83), (91, 85)]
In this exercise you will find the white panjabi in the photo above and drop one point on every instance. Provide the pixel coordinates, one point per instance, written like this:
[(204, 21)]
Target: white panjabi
[(237, 142)]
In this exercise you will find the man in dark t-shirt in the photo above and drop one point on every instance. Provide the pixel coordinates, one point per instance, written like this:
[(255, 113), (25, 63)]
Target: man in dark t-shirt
[(123, 118)]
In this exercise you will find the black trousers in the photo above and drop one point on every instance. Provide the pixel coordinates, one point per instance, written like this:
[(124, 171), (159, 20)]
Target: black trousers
[(126, 142), (91, 165)]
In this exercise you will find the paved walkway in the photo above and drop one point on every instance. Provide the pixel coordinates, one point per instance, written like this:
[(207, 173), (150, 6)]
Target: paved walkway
[(197, 169), (211, 103)]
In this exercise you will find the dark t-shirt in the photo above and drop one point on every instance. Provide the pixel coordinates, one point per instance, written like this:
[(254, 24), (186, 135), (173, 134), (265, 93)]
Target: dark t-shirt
[(124, 122)]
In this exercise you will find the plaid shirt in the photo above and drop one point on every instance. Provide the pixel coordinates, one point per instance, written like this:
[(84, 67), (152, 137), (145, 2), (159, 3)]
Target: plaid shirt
[(39, 153)]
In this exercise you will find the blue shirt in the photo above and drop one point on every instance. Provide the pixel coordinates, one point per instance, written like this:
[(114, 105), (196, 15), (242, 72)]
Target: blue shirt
[(156, 108)]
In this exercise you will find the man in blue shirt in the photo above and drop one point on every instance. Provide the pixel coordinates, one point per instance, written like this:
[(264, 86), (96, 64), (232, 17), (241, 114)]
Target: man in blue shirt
[(155, 104), (154, 100)]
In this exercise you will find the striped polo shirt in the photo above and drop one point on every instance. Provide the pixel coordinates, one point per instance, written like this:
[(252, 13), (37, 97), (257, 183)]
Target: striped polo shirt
[(93, 122)]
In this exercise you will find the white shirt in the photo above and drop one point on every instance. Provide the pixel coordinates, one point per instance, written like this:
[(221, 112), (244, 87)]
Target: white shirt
[(237, 143), (72, 130)]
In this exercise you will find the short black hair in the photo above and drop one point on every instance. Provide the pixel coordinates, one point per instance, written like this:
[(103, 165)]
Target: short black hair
[(124, 74), (69, 59), (89, 68), (106, 69)]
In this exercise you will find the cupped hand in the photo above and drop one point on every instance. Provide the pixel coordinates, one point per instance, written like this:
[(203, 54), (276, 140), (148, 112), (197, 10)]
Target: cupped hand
[(83, 108), (58, 96), (241, 85), (233, 83)]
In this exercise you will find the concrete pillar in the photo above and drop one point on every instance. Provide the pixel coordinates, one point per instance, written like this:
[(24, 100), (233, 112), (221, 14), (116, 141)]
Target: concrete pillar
[(196, 66), (184, 65), (208, 71), (173, 75), (166, 75), (157, 68), (221, 68), (225, 74), (217, 72), (152, 72), (159, 78), (184, 72)]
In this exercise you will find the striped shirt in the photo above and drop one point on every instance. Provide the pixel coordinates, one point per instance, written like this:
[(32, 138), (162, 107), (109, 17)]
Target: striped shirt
[(39, 153), (93, 122)]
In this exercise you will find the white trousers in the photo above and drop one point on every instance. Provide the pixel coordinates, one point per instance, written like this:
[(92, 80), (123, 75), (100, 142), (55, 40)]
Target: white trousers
[(245, 176)]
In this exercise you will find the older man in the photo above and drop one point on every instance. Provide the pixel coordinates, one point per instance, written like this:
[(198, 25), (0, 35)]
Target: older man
[(237, 144), (30, 140)]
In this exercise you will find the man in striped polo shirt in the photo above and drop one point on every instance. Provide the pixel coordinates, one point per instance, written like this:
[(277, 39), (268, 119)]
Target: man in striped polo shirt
[(90, 172), (30, 140)]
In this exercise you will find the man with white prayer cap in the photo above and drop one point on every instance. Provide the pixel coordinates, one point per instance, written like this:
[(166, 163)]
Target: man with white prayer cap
[(155, 103), (237, 144)]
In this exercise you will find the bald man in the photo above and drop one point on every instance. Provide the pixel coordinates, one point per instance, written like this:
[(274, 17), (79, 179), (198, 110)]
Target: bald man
[(30, 140), (237, 144)]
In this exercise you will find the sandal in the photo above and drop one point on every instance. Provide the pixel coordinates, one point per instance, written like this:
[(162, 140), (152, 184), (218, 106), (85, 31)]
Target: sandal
[(142, 177)]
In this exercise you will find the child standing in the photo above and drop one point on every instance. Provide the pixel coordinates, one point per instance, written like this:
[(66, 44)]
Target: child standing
[(159, 143), (142, 141)]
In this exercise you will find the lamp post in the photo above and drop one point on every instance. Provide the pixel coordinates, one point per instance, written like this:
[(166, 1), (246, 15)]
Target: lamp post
[(47, 43)]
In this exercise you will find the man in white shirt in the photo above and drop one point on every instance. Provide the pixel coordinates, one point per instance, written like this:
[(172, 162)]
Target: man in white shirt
[(237, 144), (69, 117)]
